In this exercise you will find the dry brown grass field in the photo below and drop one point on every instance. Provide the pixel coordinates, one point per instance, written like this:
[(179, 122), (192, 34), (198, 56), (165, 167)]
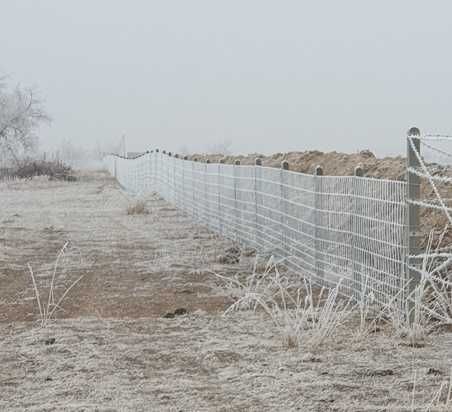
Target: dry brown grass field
[(115, 343)]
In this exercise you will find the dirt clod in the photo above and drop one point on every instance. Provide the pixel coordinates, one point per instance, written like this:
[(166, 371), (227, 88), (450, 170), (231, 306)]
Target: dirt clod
[(180, 311), (434, 371), (50, 341), (231, 256)]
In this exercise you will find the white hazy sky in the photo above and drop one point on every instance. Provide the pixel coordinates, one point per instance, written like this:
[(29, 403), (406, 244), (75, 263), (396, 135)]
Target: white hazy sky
[(267, 75)]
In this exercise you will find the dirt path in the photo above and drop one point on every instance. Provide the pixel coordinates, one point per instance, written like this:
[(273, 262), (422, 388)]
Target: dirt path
[(134, 266), (112, 349)]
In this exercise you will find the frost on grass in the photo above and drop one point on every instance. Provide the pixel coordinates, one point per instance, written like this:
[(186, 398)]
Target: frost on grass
[(308, 317), (47, 311), (137, 208), (113, 335), (304, 316)]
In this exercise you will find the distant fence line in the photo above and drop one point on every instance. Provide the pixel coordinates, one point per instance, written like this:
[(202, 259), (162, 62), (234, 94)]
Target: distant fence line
[(356, 229)]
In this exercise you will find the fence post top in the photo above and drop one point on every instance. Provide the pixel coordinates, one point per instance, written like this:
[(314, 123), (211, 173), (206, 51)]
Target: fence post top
[(318, 170), (359, 172), (414, 132), (258, 161), (237, 162), (285, 165)]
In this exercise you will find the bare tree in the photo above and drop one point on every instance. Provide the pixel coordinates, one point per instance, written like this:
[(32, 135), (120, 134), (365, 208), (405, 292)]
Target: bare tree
[(21, 113)]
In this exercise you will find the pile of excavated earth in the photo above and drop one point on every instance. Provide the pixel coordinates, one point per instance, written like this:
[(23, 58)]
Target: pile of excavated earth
[(343, 164)]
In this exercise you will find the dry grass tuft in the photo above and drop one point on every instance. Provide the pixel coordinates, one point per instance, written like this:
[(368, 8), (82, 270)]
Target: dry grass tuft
[(46, 312), (302, 318), (138, 208)]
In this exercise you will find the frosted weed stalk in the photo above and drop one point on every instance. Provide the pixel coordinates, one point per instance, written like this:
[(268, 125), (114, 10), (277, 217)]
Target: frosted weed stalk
[(46, 312), (137, 208), (442, 398), (369, 314), (256, 286), (300, 318), (414, 315)]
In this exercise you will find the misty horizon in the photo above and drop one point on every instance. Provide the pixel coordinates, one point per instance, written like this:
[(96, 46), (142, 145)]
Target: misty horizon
[(266, 77)]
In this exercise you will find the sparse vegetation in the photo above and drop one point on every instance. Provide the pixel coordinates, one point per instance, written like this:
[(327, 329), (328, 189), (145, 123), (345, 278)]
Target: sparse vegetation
[(137, 208), (46, 312), (303, 319), (27, 169), (303, 346)]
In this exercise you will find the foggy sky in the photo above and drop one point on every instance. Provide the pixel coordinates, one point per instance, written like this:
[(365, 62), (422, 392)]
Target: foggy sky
[(268, 75)]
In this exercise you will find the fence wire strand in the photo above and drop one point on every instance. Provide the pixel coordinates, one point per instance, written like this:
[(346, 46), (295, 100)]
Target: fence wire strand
[(326, 228)]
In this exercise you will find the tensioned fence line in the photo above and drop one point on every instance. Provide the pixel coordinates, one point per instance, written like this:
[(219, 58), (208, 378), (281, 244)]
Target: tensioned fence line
[(433, 170), (352, 229)]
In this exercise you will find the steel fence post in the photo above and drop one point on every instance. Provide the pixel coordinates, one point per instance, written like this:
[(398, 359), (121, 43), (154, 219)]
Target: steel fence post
[(412, 274), (194, 185), (236, 196), (170, 178), (257, 196), (150, 167), (220, 188), (317, 220), (283, 206), (177, 180), (168, 187), (206, 196), (355, 216), (156, 172), (184, 183)]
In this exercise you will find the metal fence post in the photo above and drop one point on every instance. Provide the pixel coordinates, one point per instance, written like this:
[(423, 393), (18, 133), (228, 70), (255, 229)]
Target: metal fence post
[(206, 195), (165, 166), (283, 206), (194, 184), (317, 220), (355, 216), (184, 184), (412, 275), (157, 171), (220, 188), (257, 197), (150, 171), (172, 189), (236, 195)]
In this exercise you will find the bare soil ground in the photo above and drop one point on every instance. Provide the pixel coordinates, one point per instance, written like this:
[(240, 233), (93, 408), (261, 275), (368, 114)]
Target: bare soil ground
[(111, 347)]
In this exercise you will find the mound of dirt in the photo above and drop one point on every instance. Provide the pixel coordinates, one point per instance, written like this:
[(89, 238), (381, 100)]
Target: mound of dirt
[(333, 163), (343, 164)]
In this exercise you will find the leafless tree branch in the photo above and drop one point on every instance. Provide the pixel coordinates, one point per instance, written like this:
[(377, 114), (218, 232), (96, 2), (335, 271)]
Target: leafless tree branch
[(21, 113)]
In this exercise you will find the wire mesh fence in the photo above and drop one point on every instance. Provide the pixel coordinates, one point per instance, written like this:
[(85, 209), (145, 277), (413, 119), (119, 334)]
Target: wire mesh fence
[(430, 178), (327, 228)]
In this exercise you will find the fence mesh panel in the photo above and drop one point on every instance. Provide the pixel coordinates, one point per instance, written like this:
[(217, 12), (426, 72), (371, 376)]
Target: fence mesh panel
[(326, 228)]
